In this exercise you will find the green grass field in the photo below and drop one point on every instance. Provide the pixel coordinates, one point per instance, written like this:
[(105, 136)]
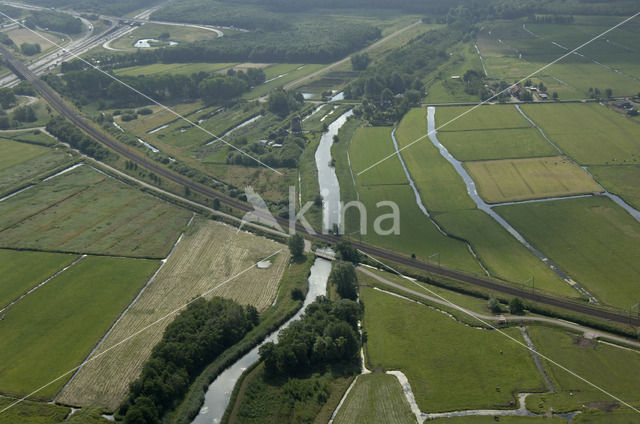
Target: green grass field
[(493, 117), (589, 133), (526, 179), (32, 413), (22, 162), (387, 182), (592, 239), (621, 180), (431, 348), (24, 270), (54, 328), (496, 144), (443, 192), (502, 254), (180, 34), (440, 186), (611, 368), (84, 211), (172, 68), (376, 398)]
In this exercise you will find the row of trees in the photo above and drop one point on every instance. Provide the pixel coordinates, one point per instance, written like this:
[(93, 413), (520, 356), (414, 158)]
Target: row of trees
[(30, 49), (192, 341), (66, 132), (326, 333)]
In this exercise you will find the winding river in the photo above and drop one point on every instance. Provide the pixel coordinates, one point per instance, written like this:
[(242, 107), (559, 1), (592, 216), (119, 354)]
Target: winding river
[(219, 392)]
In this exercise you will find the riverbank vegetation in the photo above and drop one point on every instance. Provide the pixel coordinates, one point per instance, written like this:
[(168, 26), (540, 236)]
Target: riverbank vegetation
[(194, 339)]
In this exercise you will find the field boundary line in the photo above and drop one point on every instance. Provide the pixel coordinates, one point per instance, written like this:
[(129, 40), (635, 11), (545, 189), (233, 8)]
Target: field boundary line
[(174, 312), (487, 323), (152, 100), (484, 102)]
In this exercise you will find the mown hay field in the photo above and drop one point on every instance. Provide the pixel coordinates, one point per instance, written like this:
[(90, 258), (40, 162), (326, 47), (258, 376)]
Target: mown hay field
[(209, 254), (85, 211), (526, 179)]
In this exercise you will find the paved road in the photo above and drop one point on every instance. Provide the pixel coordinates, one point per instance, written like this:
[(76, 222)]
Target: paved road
[(64, 109), (591, 333)]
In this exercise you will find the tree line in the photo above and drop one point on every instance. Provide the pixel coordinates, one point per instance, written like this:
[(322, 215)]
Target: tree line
[(195, 338), (91, 85), (68, 133)]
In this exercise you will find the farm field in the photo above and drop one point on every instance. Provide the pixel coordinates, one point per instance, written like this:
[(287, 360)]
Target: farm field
[(514, 49), (172, 68), (32, 413), (145, 123), (592, 239), (430, 347), (442, 88), (611, 368), (208, 255), (54, 328), (445, 195), (622, 180), (179, 34), (21, 35), (495, 144), (589, 133), (493, 117), (387, 181), (439, 184), (22, 271), (22, 162), (500, 252), (363, 404), (32, 136), (526, 179), (84, 211)]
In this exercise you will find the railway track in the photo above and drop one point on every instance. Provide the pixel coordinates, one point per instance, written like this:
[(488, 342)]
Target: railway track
[(64, 109)]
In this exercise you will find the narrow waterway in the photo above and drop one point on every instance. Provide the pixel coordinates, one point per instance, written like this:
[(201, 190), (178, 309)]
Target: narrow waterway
[(236, 128), (327, 178), (484, 206), (219, 392)]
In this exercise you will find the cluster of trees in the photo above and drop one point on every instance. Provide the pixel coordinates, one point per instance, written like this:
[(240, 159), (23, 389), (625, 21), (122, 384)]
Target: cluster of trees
[(359, 62), (193, 340), (70, 134), (20, 114), (30, 49), (475, 84), (284, 156), (327, 333), (91, 85), (596, 93), (4, 39), (54, 21), (396, 82), (7, 98), (344, 277), (282, 103)]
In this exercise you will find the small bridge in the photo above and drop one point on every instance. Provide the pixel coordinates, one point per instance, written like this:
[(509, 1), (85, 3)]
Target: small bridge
[(325, 254)]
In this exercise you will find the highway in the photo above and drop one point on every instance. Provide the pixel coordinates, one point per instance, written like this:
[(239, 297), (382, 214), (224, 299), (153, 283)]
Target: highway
[(509, 290)]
